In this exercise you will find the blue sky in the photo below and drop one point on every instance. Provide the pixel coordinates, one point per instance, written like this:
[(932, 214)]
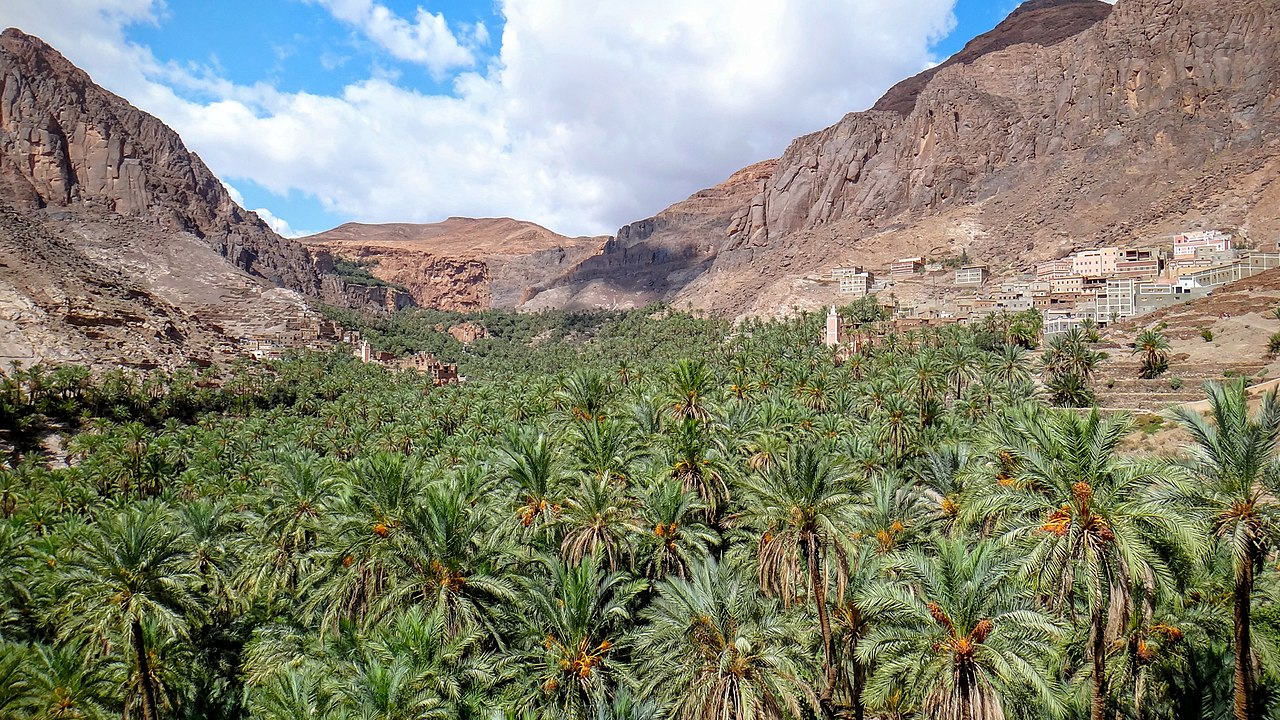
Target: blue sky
[(578, 114)]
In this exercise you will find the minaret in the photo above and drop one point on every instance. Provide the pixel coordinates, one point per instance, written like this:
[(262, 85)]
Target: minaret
[(833, 327)]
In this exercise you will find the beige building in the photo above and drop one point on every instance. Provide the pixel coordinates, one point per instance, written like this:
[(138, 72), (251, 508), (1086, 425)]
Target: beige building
[(1095, 263), (1066, 285), (1187, 244), (853, 280), (907, 266), (971, 275), (1054, 268)]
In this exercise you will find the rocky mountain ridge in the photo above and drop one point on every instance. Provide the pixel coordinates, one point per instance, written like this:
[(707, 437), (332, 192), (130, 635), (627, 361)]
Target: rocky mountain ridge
[(1159, 117), (121, 247), (459, 263), (1071, 124)]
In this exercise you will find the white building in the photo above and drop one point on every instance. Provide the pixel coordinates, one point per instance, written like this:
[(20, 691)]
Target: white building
[(1117, 302), (1212, 241), (971, 275)]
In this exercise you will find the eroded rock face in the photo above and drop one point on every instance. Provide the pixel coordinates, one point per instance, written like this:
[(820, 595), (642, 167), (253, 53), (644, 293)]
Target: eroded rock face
[(1161, 116), (461, 263), (65, 142), (1177, 78), (650, 260)]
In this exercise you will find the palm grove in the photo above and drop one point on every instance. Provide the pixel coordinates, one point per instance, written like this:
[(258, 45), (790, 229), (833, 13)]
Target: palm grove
[(635, 515)]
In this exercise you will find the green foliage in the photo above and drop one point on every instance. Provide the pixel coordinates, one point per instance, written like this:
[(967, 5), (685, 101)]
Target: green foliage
[(1273, 344), (357, 272), (1153, 346), (1207, 334), (638, 515)]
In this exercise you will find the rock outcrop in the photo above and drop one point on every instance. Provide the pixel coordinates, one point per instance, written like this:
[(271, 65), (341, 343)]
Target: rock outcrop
[(1173, 80), (66, 142), (460, 263), (1040, 22), (1071, 124), (121, 248), (1160, 116), (649, 260)]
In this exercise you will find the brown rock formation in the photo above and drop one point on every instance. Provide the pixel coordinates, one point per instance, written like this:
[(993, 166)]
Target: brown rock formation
[(68, 143), (1040, 22), (1161, 116), (121, 247), (461, 263), (649, 260)]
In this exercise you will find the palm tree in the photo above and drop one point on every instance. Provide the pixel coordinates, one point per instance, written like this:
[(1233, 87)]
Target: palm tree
[(599, 519), (714, 647), (802, 514), (66, 681), (531, 463), (691, 385), (1070, 361), (291, 694), (1154, 348), (133, 568), (289, 516), (454, 563), (586, 394), (958, 634), (698, 465), (572, 621), (674, 537), (1082, 513), (1235, 453)]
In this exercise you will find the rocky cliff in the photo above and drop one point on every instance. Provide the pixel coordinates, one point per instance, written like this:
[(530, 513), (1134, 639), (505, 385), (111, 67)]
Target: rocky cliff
[(1071, 124), (65, 142), (460, 263), (648, 260), (1160, 116), (121, 248)]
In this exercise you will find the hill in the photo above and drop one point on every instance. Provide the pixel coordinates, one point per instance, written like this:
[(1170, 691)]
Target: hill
[(460, 263), (121, 246), (1153, 118)]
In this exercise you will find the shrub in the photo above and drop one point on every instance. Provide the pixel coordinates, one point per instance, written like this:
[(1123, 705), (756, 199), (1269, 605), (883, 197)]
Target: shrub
[(1150, 424), (1175, 383), (1273, 344), (1207, 334)]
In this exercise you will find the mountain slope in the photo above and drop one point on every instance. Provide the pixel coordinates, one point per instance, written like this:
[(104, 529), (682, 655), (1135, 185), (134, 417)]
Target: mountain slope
[(460, 263), (121, 247), (650, 259), (1160, 117), (1071, 124), (68, 143)]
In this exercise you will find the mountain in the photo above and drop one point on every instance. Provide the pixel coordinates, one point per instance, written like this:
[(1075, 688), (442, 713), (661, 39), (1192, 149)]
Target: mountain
[(461, 263), (1155, 116), (122, 248), (649, 259)]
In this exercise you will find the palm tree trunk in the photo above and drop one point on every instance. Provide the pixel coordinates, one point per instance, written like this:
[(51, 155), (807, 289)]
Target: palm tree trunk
[(149, 704), (818, 586), (966, 694), (859, 680), (1098, 649), (1243, 701)]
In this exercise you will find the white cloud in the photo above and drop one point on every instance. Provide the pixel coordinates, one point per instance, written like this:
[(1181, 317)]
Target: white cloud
[(591, 115), (427, 40), (280, 225)]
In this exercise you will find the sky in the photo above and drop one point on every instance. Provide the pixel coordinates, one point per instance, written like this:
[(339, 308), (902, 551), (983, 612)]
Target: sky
[(580, 115)]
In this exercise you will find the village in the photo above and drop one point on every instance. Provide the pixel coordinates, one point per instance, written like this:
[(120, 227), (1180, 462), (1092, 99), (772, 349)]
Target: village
[(1100, 286), (309, 332)]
